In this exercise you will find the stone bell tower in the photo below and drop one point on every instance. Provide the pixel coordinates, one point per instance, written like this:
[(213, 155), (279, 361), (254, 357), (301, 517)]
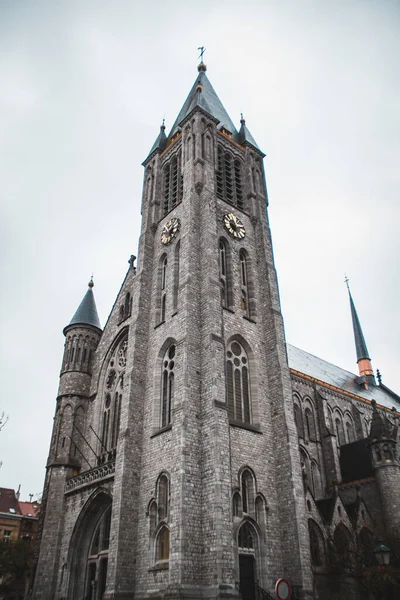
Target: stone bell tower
[(206, 483)]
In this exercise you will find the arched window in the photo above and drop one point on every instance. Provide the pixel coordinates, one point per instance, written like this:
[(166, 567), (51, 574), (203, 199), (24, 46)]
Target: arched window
[(225, 274), (111, 411), (167, 389), (246, 537), (248, 492), (310, 423), (317, 545), (316, 480), (236, 505), (342, 554), (97, 560), (243, 276), (350, 430), (162, 544), (163, 497), (260, 512), (159, 515), (366, 548), (173, 184), (238, 383), (162, 289), (176, 275), (298, 417), (341, 440), (229, 178)]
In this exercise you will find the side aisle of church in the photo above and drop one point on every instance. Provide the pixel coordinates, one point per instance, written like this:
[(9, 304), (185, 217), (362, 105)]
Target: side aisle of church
[(188, 457)]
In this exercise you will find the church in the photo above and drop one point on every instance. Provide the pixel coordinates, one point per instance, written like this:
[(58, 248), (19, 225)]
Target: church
[(194, 453)]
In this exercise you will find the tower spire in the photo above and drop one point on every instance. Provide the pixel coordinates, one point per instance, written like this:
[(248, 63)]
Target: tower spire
[(363, 358), (86, 313)]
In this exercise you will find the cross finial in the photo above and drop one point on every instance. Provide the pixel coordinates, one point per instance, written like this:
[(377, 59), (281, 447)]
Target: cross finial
[(202, 50), (131, 261), (91, 283), (346, 280)]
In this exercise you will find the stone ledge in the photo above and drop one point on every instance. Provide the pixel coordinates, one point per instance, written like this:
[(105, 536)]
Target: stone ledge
[(92, 477)]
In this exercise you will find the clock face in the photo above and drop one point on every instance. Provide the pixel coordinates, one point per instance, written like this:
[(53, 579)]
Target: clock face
[(234, 226), (170, 230)]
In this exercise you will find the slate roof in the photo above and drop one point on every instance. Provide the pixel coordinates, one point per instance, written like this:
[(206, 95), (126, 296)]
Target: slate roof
[(315, 367), (9, 500), (160, 143), (86, 313), (361, 346), (208, 100)]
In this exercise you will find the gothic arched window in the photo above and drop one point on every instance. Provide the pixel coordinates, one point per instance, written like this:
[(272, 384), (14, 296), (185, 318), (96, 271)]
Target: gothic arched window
[(244, 279), (351, 437), (159, 515), (225, 274), (97, 560), (317, 545), (298, 417), (167, 385), (248, 492), (173, 184), (176, 275), (111, 411), (162, 544), (238, 383), (341, 440), (246, 537), (310, 422), (229, 178)]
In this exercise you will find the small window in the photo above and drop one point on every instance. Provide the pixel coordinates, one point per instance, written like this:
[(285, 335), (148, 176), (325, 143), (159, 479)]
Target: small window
[(167, 390), (162, 544)]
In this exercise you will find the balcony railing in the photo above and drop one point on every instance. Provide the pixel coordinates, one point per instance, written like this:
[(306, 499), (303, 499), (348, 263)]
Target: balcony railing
[(94, 476)]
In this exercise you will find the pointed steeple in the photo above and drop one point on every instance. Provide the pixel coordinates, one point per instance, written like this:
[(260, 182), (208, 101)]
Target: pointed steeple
[(86, 313), (160, 143), (363, 358), (244, 135), (203, 94)]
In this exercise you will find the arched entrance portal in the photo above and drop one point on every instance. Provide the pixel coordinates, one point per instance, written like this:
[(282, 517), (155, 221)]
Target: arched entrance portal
[(88, 555), (247, 562)]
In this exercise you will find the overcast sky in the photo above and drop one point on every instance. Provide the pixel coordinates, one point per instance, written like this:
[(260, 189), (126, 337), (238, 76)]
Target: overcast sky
[(84, 86)]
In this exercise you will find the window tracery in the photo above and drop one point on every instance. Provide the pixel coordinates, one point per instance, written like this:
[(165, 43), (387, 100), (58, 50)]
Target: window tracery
[(238, 384), (159, 516), (111, 413), (167, 385)]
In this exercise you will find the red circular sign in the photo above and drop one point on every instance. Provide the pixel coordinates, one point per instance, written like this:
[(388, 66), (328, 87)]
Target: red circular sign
[(282, 590)]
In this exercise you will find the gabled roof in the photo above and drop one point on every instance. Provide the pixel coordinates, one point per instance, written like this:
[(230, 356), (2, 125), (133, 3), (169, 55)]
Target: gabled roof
[(315, 367), (203, 94), (29, 509), (86, 313), (8, 502)]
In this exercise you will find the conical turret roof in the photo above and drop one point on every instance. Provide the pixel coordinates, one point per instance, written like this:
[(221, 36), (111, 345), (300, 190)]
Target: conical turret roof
[(160, 143), (86, 313), (244, 135)]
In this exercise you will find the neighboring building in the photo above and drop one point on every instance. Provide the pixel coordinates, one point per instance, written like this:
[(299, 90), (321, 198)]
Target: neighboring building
[(18, 525), (189, 458)]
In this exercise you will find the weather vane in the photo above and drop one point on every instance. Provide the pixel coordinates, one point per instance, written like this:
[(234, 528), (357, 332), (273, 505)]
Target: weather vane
[(346, 280), (202, 50)]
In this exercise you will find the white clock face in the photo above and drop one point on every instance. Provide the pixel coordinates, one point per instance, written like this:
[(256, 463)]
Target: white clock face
[(234, 226), (170, 230)]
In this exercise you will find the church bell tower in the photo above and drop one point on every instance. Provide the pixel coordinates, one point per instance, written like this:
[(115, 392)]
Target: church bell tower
[(206, 488)]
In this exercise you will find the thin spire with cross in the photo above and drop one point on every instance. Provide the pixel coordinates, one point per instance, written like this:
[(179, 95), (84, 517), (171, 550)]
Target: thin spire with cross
[(202, 50), (346, 280)]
